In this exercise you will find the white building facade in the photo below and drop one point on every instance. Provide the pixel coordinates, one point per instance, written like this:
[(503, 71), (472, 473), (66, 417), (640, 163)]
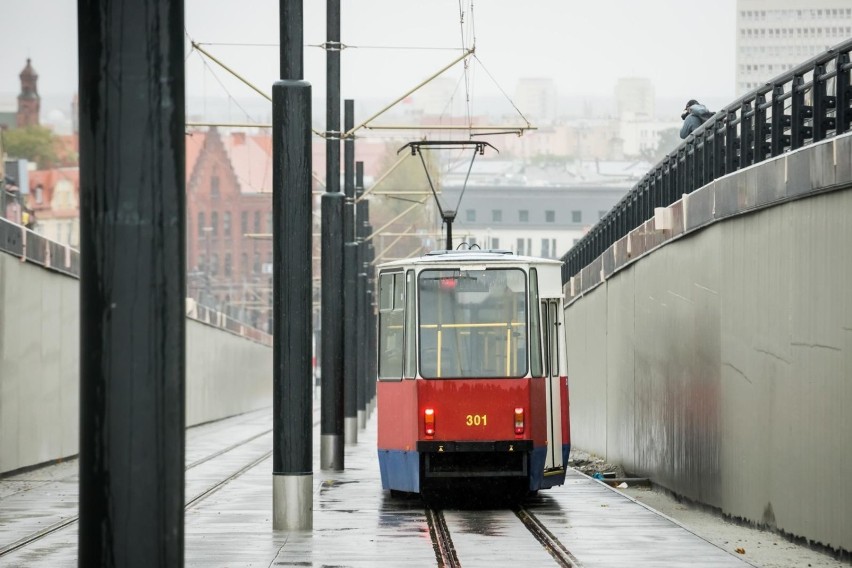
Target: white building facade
[(774, 36)]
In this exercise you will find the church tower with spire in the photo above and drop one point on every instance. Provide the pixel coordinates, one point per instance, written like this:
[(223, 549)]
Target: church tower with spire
[(29, 103)]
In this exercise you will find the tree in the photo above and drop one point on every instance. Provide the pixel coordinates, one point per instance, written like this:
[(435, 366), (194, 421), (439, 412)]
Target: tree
[(34, 143), (406, 177)]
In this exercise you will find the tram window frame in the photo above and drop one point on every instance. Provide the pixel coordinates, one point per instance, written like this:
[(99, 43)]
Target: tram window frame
[(517, 342), (543, 306), (409, 332), (553, 309), (535, 335), (391, 308)]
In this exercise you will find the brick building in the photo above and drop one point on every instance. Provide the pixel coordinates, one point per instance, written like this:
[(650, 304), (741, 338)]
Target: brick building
[(229, 207), (29, 101)]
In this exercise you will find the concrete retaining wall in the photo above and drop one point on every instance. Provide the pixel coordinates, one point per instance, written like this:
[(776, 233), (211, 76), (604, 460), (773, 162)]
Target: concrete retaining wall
[(39, 367), (720, 364)]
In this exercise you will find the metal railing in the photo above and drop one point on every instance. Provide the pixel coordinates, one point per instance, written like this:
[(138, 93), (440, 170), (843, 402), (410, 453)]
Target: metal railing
[(799, 107)]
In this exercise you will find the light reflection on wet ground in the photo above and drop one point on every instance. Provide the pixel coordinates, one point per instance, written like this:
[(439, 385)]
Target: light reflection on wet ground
[(356, 523)]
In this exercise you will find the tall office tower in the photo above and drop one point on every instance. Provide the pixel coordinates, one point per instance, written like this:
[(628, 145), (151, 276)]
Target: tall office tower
[(537, 99), (776, 35), (634, 97)]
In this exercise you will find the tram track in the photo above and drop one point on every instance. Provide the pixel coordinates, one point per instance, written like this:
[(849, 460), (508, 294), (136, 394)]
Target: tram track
[(547, 539), (442, 542), (59, 525), (447, 557)]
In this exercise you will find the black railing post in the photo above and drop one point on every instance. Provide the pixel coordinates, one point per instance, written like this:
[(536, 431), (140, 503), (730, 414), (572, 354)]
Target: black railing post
[(843, 95), (761, 146), (708, 143), (132, 283), (780, 121), (822, 103), (727, 146), (799, 114), (292, 293), (746, 153)]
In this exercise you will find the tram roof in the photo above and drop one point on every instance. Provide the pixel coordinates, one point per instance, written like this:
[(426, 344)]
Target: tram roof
[(466, 256)]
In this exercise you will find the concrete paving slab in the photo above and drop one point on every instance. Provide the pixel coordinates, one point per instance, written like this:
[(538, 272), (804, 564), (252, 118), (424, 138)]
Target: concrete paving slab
[(357, 524)]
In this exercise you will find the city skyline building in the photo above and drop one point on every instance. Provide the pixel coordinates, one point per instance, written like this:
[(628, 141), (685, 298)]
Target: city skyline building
[(29, 101), (634, 98), (538, 99), (774, 36)]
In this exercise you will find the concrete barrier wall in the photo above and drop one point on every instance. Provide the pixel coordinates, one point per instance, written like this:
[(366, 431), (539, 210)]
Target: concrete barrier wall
[(226, 374), (39, 367), (720, 364), (39, 364)]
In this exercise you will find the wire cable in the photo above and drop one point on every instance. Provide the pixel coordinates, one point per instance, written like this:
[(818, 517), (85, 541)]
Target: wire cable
[(323, 46), (224, 88), (508, 98)]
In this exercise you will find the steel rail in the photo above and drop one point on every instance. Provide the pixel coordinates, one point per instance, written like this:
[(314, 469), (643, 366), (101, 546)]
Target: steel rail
[(18, 544), (442, 541), (547, 539)]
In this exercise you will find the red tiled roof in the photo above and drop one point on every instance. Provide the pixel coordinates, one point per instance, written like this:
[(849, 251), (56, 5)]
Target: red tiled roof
[(194, 144), (251, 160), (48, 180), (250, 157)]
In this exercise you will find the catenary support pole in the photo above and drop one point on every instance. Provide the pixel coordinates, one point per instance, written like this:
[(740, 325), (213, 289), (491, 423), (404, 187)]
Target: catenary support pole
[(350, 279), (331, 427), (372, 323), (292, 474), (132, 283), (362, 364)]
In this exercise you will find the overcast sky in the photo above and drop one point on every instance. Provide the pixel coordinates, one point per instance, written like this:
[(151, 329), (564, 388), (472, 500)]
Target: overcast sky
[(687, 50)]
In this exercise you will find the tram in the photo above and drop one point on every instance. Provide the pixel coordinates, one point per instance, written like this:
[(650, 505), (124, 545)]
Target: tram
[(472, 387)]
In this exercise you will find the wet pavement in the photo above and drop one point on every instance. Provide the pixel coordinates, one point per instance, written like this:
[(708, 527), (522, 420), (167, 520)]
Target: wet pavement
[(355, 522)]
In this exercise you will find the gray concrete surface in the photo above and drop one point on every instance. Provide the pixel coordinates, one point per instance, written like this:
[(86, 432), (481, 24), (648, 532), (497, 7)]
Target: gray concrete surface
[(39, 364), (39, 367), (724, 368), (357, 524)]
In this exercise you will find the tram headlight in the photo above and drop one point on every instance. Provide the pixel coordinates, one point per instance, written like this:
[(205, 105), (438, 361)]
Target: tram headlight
[(429, 421), (519, 421)]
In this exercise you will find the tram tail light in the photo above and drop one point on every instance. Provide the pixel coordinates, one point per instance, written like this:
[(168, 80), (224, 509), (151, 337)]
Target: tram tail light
[(519, 421), (429, 421)]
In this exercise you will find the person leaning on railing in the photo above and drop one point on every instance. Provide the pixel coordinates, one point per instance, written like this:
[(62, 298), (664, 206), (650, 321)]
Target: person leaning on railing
[(694, 115)]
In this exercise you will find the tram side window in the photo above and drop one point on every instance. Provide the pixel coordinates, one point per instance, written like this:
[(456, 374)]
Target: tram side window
[(535, 328), (391, 309)]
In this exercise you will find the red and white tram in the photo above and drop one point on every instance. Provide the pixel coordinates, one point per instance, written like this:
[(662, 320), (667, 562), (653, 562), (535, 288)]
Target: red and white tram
[(471, 373)]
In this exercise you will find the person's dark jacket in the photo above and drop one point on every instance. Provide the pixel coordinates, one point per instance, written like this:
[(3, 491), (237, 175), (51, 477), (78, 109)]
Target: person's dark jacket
[(696, 116)]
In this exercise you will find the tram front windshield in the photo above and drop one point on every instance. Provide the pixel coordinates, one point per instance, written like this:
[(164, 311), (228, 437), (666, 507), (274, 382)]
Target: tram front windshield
[(473, 323)]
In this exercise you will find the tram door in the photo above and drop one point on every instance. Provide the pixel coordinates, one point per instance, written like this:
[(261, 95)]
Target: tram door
[(550, 323)]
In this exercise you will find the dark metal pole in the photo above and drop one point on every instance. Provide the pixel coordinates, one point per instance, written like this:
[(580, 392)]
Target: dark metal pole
[(350, 277), (361, 215), (331, 428), (331, 440), (292, 475), (349, 172), (372, 312), (132, 282)]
